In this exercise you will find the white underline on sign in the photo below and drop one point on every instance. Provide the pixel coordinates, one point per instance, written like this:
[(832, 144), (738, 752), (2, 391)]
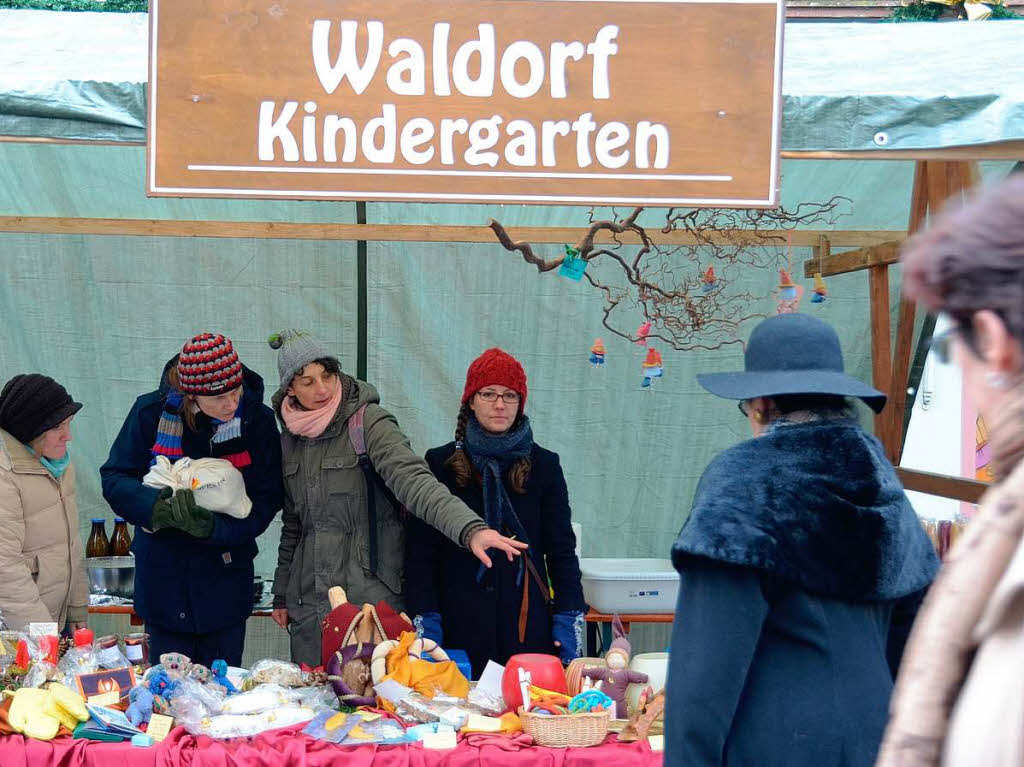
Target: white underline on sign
[(455, 197), (485, 173)]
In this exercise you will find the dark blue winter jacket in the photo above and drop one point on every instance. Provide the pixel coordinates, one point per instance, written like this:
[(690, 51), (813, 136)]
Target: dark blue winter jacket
[(802, 565), (182, 583), (482, 617)]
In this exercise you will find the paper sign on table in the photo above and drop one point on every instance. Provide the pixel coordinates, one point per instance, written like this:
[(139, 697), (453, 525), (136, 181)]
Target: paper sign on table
[(159, 726), (36, 630), (440, 740), (656, 742), (490, 680), (111, 698)]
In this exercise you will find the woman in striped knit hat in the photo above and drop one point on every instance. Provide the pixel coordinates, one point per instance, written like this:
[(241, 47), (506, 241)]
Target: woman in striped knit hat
[(194, 569)]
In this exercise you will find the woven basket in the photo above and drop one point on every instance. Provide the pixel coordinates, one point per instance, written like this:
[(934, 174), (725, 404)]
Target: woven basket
[(571, 730)]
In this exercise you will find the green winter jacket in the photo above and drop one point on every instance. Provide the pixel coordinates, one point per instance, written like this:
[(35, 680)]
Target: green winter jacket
[(325, 533)]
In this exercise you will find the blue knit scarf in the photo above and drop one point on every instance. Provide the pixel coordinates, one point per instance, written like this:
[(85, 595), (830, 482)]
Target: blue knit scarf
[(492, 455), (227, 440)]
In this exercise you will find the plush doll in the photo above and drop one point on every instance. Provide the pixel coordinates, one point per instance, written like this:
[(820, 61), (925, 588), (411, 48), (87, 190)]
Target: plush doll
[(617, 677), (200, 673), (140, 707), (161, 685), (220, 676), (175, 664)]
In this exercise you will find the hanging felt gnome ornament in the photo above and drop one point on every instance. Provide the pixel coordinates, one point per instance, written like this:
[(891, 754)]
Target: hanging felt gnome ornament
[(788, 299), (820, 291), (709, 280), (651, 367), (597, 353), (614, 679), (641, 334)]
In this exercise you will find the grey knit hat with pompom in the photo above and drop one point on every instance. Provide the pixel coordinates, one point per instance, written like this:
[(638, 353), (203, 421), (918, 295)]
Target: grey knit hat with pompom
[(296, 349)]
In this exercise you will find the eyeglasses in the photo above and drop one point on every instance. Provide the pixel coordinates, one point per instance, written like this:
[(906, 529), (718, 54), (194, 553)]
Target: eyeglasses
[(942, 345), (509, 397), (744, 408)]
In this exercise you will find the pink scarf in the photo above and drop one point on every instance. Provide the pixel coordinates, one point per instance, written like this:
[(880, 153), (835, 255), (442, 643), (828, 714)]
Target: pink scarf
[(311, 423)]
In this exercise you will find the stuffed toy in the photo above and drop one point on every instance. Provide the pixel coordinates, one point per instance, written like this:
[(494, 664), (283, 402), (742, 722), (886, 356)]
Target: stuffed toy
[(614, 680), (175, 664), (650, 708), (220, 676), (140, 707), (200, 673), (161, 685), (350, 676)]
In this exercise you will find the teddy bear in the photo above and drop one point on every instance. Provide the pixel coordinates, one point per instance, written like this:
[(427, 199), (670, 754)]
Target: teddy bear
[(140, 707)]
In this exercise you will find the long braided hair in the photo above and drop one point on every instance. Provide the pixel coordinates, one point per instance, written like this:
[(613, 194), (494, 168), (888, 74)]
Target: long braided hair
[(462, 468)]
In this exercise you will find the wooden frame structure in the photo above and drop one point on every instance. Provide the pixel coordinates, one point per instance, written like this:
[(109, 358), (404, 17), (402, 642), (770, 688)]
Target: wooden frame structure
[(939, 175)]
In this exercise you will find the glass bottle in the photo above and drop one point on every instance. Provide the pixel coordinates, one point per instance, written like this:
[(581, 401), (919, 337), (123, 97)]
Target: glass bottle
[(120, 540), (98, 545)]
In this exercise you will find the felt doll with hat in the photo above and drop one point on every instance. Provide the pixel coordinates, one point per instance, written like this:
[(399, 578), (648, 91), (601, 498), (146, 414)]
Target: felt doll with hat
[(614, 679)]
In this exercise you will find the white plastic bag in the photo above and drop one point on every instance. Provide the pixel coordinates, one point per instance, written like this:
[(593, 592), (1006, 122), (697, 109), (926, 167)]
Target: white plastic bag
[(215, 483)]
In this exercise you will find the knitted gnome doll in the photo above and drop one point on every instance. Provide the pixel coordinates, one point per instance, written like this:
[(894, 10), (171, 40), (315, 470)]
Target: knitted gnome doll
[(614, 680)]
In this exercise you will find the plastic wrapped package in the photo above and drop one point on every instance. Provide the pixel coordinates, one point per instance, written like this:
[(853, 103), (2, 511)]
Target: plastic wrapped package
[(41, 672), (77, 660), (317, 698), (265, 697), (487, 702), (247, 725), (277, 672), (379, 732), (111, 658), (211, 696)]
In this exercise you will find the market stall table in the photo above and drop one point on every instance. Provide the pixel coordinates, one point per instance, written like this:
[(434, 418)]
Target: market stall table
[(288, 746)]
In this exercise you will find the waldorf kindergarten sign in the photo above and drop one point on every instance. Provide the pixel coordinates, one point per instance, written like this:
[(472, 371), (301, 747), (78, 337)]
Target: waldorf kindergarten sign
[(649, 102)]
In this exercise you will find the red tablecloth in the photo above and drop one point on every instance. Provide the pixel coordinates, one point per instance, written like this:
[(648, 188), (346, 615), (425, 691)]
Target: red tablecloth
[(290, 748)]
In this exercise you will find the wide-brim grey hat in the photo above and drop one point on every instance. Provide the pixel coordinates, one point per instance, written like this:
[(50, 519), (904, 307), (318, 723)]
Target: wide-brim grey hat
[(792, 354)]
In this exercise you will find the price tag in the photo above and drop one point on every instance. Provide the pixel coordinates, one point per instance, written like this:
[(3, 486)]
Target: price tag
[(159, 726), (111, 698)]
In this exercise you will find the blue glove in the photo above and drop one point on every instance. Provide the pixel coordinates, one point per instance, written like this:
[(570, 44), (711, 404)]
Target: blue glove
[(428, 626), (567, 630)]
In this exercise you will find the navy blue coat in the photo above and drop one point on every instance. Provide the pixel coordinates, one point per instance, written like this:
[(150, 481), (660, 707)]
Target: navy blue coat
[(482, 618), (802, 566), (186, 584)]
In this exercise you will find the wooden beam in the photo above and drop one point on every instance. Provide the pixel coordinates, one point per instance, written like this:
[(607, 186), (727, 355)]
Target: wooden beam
[(882, 254), (957, 488), (1000, 150), (904, 346), (881, 356), (401, 232)]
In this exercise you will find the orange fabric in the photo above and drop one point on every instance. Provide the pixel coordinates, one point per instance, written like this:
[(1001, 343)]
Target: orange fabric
[(423, 676)]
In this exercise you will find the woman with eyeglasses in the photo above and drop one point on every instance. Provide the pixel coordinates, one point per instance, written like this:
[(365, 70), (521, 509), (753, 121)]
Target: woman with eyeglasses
[(958, 700), (519, 489), (801, 566)]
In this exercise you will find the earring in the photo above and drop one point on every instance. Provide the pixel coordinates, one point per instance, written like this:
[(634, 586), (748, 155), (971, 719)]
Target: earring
[(759, 416), (996, 380)]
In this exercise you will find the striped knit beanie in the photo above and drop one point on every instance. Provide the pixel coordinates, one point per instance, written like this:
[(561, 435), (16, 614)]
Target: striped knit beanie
[(208, 365)]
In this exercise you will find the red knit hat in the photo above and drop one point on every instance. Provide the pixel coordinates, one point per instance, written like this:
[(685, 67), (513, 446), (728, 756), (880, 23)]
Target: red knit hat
[(495, 367), (208, 365)]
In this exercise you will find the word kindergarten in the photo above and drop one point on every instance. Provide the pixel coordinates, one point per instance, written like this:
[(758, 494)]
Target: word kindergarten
[(660, 102)]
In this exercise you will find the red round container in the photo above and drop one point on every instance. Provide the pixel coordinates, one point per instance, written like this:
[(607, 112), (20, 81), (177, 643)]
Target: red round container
[(545, 671)]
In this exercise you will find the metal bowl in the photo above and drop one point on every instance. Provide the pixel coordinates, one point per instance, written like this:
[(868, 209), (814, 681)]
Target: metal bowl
[(113, 576)]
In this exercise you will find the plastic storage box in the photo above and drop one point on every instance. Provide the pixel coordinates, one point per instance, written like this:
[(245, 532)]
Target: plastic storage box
[(630, 585)]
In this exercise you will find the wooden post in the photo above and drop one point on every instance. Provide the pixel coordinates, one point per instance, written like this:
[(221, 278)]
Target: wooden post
[(881, 367)]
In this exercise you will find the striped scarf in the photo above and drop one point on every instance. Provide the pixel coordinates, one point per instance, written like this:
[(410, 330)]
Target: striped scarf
[(227, 440)]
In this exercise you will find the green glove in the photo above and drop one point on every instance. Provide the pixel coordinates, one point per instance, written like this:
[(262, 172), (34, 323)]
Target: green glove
[(181, 511)]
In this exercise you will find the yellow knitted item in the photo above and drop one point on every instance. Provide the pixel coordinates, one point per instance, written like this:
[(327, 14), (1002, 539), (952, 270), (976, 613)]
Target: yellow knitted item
[(28, 714)]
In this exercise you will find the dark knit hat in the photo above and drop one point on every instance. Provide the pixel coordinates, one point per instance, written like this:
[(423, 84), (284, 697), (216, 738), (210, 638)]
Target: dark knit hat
[(31, 404), (495, 367), (208, 365)]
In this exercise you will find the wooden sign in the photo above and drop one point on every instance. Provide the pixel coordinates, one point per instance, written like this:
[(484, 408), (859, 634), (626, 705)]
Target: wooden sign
[(639, 102)]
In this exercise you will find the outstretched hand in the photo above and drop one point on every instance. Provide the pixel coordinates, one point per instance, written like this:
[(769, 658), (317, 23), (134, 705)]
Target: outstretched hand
[(485, 539)]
